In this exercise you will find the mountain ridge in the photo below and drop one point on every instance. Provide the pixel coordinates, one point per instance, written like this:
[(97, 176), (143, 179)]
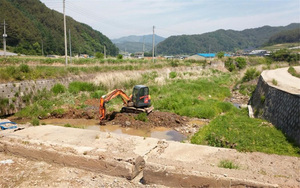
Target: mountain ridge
[(220, 40), (34, 26)]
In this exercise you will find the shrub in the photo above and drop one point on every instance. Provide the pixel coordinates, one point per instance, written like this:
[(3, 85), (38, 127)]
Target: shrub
[(250, 74), (229, 64), (76, 87), (35, 122), (99, 55), (175, 63), (24, 68), (293, 72), (274, 82), (173, 75), (98, 94), (67, 125), (58, 88), (142, 117), (120, 56), (227, 164), (241, 62), (220, 55)]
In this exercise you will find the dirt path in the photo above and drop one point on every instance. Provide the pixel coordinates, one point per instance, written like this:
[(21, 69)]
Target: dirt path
[(285, 81)]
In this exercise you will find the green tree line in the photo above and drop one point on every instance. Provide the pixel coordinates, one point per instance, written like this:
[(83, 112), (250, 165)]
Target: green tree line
[(31, 25)]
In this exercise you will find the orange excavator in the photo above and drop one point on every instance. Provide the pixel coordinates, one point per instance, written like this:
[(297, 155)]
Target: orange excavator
[(139, 101)]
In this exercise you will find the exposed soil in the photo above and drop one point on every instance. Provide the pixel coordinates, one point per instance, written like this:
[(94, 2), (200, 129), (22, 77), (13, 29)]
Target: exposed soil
[(154, 119), (23, 172)]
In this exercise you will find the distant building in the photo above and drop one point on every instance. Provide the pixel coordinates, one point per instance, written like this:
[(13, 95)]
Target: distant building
[(259, 52), (203, 56), (139, 55), (7, 53)]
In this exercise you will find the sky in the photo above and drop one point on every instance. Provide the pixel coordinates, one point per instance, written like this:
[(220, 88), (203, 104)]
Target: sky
[(118, 18)]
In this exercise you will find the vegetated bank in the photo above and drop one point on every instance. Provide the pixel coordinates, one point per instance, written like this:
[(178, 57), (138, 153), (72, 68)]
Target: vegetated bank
[(204, 97)]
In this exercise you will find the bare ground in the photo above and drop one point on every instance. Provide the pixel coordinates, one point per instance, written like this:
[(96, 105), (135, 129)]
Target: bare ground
[(24, 172)]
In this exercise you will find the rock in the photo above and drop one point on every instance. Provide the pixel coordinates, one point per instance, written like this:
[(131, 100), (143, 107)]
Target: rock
[(127, 123)]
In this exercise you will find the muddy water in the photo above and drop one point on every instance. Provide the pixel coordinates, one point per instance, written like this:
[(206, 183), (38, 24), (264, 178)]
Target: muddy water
[(157, 132)]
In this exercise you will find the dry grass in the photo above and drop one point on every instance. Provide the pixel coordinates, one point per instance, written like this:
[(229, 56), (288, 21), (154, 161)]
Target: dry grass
[(121, 79)]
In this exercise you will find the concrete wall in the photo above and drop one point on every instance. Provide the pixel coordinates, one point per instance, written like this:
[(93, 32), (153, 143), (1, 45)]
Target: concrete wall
[(281, 108), (16, 95)]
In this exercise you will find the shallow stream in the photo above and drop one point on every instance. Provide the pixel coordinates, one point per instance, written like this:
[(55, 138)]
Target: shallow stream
[(156, 132)]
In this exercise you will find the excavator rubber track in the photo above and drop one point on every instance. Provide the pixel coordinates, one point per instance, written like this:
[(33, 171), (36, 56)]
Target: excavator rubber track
[(137, 110)]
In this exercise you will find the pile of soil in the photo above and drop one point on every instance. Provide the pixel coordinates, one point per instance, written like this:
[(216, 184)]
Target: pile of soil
[(154, 119)]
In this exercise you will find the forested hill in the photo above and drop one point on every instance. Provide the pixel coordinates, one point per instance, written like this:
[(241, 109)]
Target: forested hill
[(220, 40), (289, 36), (30, 24)]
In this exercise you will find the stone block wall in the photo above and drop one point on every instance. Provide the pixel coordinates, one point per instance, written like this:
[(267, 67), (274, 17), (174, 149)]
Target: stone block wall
[(281, 108), (14, 95)]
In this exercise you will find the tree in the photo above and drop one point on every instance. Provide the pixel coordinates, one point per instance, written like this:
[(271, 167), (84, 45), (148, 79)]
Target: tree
[(99, 55), (120, 56), (241, 62), (220, 55)]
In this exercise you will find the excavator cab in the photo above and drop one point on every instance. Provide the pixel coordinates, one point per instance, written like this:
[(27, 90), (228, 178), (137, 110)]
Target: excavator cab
[(141, 97)]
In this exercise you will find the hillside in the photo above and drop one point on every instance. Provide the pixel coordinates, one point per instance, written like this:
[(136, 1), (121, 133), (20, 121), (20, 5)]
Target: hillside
[(220, 40), (289, 36), (32, 25), (134, 43)]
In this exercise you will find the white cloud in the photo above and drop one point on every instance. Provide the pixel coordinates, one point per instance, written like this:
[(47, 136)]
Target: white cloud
[(117, 18)]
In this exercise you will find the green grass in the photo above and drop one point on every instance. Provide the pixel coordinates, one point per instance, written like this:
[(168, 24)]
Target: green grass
[(200, 98), (142, 117), (293, 72), (237, 130), (228, 164)]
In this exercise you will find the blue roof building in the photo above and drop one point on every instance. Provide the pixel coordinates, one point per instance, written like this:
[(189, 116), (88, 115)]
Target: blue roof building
[(211, 55)]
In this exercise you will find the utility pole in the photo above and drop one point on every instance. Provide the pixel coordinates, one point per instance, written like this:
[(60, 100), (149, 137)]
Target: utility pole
[(70, 46), (104, 51), (153, 43), (143, 43), (4, 40), (42, 48), (65, 32)]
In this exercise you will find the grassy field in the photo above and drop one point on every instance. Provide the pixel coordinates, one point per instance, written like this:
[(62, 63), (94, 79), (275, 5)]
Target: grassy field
[(191, 94)]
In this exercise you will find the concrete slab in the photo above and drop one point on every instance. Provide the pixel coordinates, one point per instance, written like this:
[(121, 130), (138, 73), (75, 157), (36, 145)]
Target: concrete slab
[(110, 154), (186, 165), (162, 162)]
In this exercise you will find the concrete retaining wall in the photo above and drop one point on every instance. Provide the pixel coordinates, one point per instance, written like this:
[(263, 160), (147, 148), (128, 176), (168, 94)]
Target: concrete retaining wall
[(279, 107), (16, 95)]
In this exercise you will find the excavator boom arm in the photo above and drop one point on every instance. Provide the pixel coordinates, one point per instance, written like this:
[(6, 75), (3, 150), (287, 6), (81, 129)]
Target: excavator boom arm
[(111, 95)]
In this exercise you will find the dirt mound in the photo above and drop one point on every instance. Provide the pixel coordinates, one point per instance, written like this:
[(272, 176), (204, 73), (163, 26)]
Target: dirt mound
[(154, 119)]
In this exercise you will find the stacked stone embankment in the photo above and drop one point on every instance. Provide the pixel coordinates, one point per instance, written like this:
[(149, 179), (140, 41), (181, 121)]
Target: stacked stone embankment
[(16, 95), (277, 99)]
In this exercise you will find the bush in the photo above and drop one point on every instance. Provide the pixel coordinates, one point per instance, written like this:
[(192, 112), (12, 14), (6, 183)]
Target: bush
[(227, 164), (35, 122), (175, 63), (250, 74), (229, 64), (142, 117), (99, 55), (24, 68), (173, 75), (58, 88), (241, 62), (293, 72), (120, 56), (76, 87), (220, 55), (98, 94)]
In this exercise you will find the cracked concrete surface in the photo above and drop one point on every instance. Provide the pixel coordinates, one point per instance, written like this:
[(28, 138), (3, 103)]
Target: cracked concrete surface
[(155, 161)]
